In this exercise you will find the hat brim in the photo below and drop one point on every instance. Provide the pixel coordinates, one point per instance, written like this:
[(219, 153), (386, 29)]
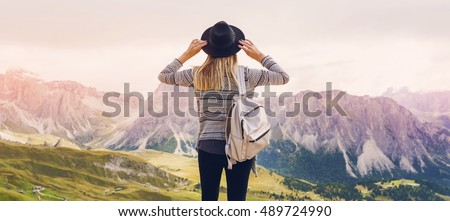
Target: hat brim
[(222, 52)]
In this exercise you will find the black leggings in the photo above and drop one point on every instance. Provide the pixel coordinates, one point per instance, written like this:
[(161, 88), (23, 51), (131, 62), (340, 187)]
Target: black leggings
[(211, 166)]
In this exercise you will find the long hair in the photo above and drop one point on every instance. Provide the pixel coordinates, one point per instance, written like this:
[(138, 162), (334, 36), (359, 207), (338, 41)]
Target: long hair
[(213, 73)]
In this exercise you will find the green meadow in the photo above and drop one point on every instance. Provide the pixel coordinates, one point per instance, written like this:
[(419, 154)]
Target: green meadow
[(34, 172), (71, 174)]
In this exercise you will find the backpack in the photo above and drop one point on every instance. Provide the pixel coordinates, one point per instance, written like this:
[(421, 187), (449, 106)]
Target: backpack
[(248, 128)]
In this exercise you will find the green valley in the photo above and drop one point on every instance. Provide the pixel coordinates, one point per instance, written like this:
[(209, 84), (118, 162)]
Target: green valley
[(32, 172)]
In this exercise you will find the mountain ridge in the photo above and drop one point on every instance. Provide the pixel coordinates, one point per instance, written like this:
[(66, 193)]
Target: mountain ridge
[(378, 138)]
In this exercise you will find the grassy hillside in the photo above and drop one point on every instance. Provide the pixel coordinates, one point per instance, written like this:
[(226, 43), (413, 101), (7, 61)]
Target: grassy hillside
[(70, 174)]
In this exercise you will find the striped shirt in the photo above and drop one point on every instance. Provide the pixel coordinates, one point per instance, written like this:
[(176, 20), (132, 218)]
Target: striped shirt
[(213, 105)]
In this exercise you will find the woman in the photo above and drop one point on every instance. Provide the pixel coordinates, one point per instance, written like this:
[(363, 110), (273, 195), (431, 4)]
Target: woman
[(216, 78)]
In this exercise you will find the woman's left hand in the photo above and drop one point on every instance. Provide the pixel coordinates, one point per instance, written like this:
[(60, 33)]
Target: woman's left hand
[(193, 49), (251, 50)]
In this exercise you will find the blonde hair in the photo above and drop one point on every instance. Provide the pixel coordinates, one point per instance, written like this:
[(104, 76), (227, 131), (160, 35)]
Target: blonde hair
[(211, 74)]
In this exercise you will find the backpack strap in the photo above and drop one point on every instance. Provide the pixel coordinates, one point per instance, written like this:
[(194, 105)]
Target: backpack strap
[(241, 80), (242, 92)]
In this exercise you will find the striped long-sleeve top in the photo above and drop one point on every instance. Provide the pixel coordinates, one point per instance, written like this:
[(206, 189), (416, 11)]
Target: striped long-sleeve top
[(213, 106)]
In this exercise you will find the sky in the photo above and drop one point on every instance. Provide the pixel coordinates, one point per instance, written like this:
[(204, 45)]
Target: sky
[(361, 46)]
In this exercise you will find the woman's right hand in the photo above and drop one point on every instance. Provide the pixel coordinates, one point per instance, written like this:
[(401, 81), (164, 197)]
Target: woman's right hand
[(251, 50), (193, 49)]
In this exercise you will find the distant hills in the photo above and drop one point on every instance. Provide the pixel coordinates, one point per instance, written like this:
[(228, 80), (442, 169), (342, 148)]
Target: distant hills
[(427, 106)]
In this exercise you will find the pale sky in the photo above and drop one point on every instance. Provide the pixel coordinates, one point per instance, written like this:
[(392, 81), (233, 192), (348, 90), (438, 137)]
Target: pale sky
[(363, 47)]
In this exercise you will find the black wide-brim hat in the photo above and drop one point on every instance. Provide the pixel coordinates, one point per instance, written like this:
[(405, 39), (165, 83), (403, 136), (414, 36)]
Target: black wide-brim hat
[(223, 40)]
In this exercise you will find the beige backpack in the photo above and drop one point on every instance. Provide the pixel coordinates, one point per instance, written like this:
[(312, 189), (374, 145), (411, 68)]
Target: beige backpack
[(248, 128)]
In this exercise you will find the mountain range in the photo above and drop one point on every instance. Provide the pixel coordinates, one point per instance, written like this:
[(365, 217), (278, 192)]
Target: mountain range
[(427, 106), (381, 137)]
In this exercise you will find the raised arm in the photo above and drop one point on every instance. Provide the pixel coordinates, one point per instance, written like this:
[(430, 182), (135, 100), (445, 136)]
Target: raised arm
[(171, 75), (274, 75)]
